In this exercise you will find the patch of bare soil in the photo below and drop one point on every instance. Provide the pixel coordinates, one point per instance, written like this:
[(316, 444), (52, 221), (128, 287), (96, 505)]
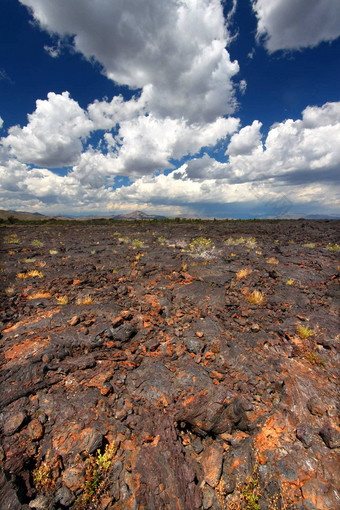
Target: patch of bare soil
[(170, 366)]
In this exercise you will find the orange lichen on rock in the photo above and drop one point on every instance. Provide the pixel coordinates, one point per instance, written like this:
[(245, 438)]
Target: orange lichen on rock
[(268, 439), (26, 348)]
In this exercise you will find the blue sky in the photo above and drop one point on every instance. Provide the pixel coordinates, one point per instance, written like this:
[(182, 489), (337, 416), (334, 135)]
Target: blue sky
[(187, 107)]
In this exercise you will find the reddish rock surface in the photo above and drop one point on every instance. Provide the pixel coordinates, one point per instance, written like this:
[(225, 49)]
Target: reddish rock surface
[(137, 374)]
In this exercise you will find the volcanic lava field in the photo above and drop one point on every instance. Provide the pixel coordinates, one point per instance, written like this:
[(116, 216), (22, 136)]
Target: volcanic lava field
[(164, 365)]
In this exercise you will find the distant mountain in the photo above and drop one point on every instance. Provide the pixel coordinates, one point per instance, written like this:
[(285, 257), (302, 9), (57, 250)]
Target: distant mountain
[(4, 215), (137, 215), (320, 217), (27, 216)]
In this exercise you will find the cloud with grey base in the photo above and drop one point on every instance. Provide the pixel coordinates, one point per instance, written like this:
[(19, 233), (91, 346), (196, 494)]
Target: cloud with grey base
[(296, 24)]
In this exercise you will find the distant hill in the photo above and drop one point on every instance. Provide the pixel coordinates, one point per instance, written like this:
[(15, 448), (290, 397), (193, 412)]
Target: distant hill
[(27, 216), (137, 215)]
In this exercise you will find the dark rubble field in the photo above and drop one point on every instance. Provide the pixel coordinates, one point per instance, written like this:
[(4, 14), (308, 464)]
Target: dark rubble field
[(178, 366)]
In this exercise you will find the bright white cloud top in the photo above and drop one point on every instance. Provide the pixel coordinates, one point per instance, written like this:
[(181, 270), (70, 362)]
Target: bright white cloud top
[(174, 57)]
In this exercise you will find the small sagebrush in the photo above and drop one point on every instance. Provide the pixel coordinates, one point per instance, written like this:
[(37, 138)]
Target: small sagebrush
[(201, 245)]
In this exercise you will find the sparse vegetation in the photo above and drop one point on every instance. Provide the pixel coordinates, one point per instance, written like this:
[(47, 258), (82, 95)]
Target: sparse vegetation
[(333, 247), (9, 291), (201, 245), (42, 479), (53, 252), (314, 359), (62, 300), (39, 295), (243, 273), (304, 331), (84, 300), (256, 298), (161, 239), (272, 260), (11, 239), (309, 245), (250, 242), (123, 240), (37, 244), (30, 274), (290, 281), (96, 477), (137, 243)]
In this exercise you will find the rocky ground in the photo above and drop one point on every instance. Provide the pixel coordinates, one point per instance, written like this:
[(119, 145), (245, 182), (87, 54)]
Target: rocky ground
[(140, 370)]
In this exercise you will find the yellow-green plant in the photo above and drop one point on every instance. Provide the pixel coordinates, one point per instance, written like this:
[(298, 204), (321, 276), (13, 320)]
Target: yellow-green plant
[(290, 281), (333, 247), (304, 331), (36, 243), (161, 239), (96, 476), (137, 243), (250, 242), (251, 492), (309, 245), (314, 359), (12, 239), (124, 240), (53, 252), (201, 245)]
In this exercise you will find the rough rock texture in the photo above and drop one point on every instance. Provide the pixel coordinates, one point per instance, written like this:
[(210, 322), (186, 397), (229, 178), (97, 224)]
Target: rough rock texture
[(136, 373)]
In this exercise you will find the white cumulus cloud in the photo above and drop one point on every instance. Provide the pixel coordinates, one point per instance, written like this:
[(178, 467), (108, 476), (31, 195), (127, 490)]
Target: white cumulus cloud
[(246, 141), (53, 134), (295, 24), (306, 149), (177, 48)]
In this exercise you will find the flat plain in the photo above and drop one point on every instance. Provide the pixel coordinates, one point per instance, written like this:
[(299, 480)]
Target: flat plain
[(163, 365)]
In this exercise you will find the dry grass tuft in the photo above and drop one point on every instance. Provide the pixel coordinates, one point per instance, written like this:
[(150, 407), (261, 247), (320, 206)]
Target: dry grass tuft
[(39, 295), (272, 260), (30, 274), (85, 300), (256, 298), (9, 291), (62, 300), (243, 273)]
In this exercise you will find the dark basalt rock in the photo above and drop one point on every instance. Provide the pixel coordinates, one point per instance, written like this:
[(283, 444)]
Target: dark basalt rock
[(202, 393)]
